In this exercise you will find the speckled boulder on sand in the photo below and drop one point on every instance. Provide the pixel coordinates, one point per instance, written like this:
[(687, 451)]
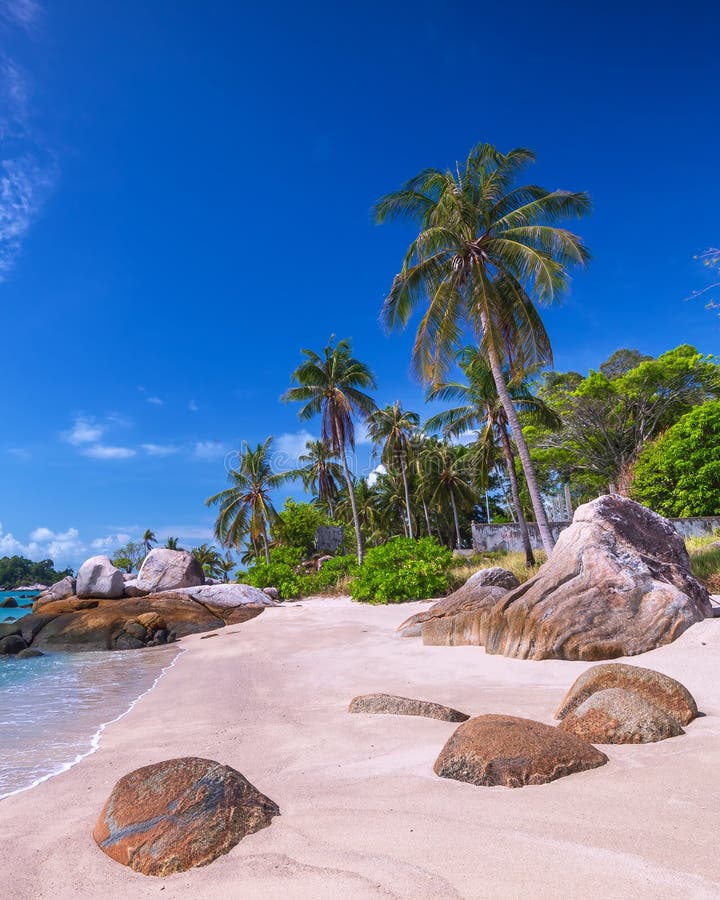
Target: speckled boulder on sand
[(404, 706), (659, 689), (617, 584), (619, 716), (506, 750), (165, 570), (180, 813)]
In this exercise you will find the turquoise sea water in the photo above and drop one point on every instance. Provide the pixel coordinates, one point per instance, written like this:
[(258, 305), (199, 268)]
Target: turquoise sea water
[(23, 598), (54, 708)]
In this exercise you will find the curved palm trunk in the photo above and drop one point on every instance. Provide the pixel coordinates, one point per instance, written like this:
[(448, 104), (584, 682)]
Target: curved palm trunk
[(407, 497), (515, 491), (353, 505), (427, 517), (265, 543), (455, 518), (522, 447)]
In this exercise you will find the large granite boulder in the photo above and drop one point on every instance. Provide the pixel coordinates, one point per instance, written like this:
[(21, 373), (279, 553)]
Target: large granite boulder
[(390, 704), (9, 603), (655, 687), (618, 716), (509, 751), (180, 813), (99, 578), (617, 584), (166, 570), (125, 624)]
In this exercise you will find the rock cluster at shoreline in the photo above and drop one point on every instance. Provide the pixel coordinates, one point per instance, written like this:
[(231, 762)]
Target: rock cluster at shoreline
[(101, 610)]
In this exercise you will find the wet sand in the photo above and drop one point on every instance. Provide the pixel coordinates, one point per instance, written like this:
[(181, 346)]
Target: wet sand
[(362, 813)]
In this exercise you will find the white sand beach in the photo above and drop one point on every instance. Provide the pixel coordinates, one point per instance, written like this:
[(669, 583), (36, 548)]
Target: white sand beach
[(362, 813)]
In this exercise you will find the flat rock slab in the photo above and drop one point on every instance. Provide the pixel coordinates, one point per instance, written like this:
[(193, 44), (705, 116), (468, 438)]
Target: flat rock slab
[(513, 752), (404, 706), (178, 814), (660, 690), (618, 716)]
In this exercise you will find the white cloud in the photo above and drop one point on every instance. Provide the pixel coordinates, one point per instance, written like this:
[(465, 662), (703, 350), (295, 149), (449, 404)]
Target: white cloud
[(83, 431), (192, 406), (373, 476), (104, 451), (160, 449), (156, 401), (18, 452), (362, 435), (25, 13), (22, 185), (291, 444), (210, 450), (467, 437), (110, 541)]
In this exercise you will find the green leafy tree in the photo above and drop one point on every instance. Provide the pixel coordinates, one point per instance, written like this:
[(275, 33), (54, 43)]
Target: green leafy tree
[(296, 524), (679, 474), (488, 248), (246, 508), (607, 421), (130, 556), (18, 571), (209, 559), (332, 384), (392, 430)]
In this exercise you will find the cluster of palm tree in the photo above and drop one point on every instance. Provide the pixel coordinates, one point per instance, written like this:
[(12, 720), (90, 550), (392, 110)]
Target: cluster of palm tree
[(486, 252)]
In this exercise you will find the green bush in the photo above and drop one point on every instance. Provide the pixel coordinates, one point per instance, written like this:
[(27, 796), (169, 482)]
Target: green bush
[(295, 526), (679, 473), (281, 573), (402, 569), (332, 573)]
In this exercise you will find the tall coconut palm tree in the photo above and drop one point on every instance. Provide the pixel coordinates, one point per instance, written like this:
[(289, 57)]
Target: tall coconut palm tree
[(447, 469), (148, 539), (333, 384), (482, 411), (172, 543), (391, 429), (225, 566), (487, 249), (246, 507), (209, 559), (320, 473)]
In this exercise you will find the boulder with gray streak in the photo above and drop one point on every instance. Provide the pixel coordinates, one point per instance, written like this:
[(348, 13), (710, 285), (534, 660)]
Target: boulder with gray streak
[(99, 578)]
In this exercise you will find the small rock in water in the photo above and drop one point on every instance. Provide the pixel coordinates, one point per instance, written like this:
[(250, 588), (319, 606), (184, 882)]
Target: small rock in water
[(8, 603), (179, 813), (11, 645), (29, 653)]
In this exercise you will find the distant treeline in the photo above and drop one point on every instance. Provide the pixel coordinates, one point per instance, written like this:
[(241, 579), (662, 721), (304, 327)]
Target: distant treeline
[(16, 571)]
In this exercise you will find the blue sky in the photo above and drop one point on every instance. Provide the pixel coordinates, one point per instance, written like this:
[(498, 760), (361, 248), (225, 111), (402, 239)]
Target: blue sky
[(184, 204)]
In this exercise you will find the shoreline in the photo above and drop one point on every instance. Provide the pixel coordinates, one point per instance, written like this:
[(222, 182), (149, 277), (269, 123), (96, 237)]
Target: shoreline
[(361, 811), (95, 738)]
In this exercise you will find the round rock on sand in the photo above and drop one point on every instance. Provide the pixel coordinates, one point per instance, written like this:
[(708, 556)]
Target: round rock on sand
[(618, 716), (658, 689), (179, 813), (165, 570), (506, 750)]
